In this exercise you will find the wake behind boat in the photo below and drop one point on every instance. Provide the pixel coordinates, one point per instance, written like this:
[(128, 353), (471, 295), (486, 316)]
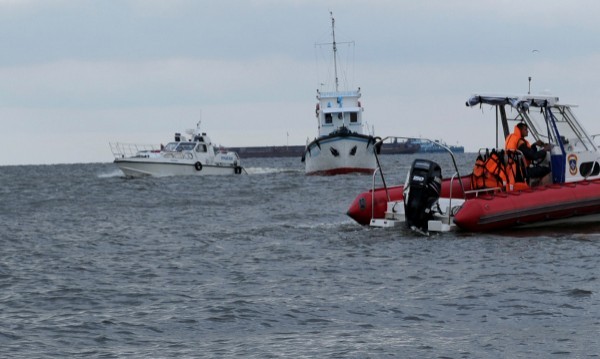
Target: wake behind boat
[(499, 193), (341, 146), (194, 156)]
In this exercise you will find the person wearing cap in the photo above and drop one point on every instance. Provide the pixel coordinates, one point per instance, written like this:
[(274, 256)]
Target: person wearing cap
[(534, 154)]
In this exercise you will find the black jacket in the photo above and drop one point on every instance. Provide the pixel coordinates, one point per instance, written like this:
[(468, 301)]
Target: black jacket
[(532, 154)]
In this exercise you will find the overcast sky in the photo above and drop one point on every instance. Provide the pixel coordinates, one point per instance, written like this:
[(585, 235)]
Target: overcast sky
[(76, 75)]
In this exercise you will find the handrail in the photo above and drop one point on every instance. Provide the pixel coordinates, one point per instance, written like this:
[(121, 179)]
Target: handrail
[(334, 94), (122, 150), (481, 190), (450, 198), (380, 142), (373, 194)]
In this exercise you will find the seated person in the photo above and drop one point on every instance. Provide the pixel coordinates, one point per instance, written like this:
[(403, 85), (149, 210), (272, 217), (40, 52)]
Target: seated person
[(517, 141)]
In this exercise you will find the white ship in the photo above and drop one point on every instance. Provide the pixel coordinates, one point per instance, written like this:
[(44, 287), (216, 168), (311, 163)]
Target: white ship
[(342, 146)]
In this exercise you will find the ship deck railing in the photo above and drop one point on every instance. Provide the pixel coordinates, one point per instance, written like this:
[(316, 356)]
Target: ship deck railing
[(124, 150), (335, 94)]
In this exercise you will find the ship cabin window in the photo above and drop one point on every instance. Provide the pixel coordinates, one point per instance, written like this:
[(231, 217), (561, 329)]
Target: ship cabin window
[(589, 169), (185, 146), (201, 148), (353, 117), (171, 146), (328, 119)]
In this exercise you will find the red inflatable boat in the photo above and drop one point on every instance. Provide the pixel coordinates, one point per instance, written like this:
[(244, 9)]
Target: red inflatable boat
[(471, 203)]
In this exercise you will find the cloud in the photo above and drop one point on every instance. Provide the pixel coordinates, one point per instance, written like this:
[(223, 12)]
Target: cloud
[(173, 81), (142, 69)]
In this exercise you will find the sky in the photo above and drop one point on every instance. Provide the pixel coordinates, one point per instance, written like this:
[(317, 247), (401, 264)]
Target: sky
[(76, 75)]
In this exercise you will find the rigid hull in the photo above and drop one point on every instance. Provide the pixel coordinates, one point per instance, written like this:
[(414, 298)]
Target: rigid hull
[(133, 167), (340, 154)]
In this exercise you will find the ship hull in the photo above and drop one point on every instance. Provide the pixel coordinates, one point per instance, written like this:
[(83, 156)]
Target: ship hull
[(340, 154), (161, 168)]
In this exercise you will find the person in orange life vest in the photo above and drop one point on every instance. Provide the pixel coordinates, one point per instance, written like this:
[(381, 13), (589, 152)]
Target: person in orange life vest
[(517, 141)]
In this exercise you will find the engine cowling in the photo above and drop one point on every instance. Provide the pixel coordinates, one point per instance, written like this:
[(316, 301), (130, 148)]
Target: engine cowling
[(422, 192)]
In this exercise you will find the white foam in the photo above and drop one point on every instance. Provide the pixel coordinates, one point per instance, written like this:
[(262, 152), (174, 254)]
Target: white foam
[(112, 174), (268, 170)]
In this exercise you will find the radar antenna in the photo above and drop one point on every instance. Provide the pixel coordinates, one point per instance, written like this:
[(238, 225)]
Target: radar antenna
[(334, 51)]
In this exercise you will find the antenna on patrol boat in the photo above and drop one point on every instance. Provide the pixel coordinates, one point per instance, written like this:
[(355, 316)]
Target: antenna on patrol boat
[(199, 121)]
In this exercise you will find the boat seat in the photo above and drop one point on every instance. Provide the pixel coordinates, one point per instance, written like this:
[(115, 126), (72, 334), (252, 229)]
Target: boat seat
[(516, 169)]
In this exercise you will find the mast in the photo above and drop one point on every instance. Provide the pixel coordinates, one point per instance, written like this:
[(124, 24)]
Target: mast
[(334, 50)]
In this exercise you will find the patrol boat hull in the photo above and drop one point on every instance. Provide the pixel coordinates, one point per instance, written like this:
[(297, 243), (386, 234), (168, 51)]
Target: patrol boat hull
[(132, 167)]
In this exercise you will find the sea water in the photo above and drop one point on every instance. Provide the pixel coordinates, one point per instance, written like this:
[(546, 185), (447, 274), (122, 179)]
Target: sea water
[(267, 265)]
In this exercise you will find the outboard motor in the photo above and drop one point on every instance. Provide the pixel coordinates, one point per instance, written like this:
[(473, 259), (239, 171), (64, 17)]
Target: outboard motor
[(421, 193)]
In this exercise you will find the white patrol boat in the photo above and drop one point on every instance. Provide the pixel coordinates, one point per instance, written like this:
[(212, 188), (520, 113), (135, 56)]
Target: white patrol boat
[(194, 156), (341, 146)]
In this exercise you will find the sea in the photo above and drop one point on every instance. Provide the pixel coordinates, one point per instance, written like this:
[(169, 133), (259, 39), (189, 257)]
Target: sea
[(267, 265)]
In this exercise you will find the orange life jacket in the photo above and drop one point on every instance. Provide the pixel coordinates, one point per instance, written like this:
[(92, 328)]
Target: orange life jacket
[(515, 171), (516, 163), (488, 171), (514, 140), (498, 169)]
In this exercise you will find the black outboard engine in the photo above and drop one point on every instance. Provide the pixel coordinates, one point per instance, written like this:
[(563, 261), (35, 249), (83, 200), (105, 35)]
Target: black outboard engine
[(421, 193)]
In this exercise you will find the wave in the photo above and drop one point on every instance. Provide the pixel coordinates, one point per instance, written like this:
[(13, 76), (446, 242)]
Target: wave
[(269, 170), (249, 170)]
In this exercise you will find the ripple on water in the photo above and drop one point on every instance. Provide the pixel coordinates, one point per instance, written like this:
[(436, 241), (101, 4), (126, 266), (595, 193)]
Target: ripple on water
[(269, 265)]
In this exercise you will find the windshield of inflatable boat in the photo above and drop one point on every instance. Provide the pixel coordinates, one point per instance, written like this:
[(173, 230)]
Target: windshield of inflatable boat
[(562, 121), (547, 119)]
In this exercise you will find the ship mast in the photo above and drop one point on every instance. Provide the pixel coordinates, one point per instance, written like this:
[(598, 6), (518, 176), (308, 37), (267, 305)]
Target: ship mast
[(334, 50)]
